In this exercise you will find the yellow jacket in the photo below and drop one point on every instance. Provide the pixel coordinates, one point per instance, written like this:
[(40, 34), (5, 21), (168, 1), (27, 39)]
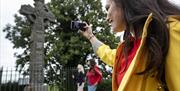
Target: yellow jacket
[(133, 82)]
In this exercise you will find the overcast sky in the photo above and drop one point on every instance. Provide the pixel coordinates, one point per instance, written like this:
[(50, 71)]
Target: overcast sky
[(7, 10)]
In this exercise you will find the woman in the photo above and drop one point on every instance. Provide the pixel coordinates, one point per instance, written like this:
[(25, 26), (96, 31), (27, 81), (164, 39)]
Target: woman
[(93, 75), (148, 58), (80, 77)]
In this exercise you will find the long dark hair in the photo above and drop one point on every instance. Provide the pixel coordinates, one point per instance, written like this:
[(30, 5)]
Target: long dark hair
[(157, 41)]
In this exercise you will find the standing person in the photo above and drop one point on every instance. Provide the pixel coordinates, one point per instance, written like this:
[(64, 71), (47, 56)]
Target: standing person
[(93, 75), (79, 78), (148, 58)]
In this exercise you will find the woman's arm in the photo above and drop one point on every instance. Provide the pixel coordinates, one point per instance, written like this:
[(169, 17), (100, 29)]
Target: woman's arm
[(106, 54)]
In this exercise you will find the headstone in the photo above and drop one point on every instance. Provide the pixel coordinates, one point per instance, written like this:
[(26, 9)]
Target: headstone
[(40, 17)]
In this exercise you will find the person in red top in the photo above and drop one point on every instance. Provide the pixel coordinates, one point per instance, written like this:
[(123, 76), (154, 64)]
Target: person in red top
[(93, 75)]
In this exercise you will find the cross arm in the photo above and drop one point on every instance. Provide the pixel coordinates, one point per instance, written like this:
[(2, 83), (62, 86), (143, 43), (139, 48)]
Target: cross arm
[(49, 15), (28, 11)]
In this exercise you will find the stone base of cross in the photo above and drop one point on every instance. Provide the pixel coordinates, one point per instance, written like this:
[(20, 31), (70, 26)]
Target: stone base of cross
[(36, 88)]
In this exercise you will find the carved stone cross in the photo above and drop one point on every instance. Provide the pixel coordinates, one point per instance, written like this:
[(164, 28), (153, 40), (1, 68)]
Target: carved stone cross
[(40, 17)]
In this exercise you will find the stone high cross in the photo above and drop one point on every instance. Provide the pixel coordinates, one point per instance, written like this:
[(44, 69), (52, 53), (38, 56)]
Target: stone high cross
[(40, 17)]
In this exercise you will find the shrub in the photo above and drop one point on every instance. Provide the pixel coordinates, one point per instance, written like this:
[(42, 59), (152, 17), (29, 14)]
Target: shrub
[(105, 85)]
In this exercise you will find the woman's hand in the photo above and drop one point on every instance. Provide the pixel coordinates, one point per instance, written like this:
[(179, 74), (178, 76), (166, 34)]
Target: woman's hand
[(87, 33), (95, 84)]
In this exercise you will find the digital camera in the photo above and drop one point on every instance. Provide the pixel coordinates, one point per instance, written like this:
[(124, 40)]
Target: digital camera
[(76, 25)]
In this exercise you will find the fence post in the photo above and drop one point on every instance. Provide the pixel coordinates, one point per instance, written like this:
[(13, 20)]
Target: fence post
[(1, 70)]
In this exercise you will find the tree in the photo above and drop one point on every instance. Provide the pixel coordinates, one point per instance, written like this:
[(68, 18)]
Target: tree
[(64, 47)]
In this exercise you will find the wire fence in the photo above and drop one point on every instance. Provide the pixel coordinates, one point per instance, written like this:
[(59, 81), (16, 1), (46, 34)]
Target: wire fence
[(14, 80)]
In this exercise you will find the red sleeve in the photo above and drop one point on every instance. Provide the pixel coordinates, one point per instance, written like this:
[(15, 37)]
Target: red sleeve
[(99, 74)]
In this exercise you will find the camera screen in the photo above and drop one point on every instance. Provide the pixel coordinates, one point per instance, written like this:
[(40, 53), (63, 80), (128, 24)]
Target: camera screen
[(76, 25)]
